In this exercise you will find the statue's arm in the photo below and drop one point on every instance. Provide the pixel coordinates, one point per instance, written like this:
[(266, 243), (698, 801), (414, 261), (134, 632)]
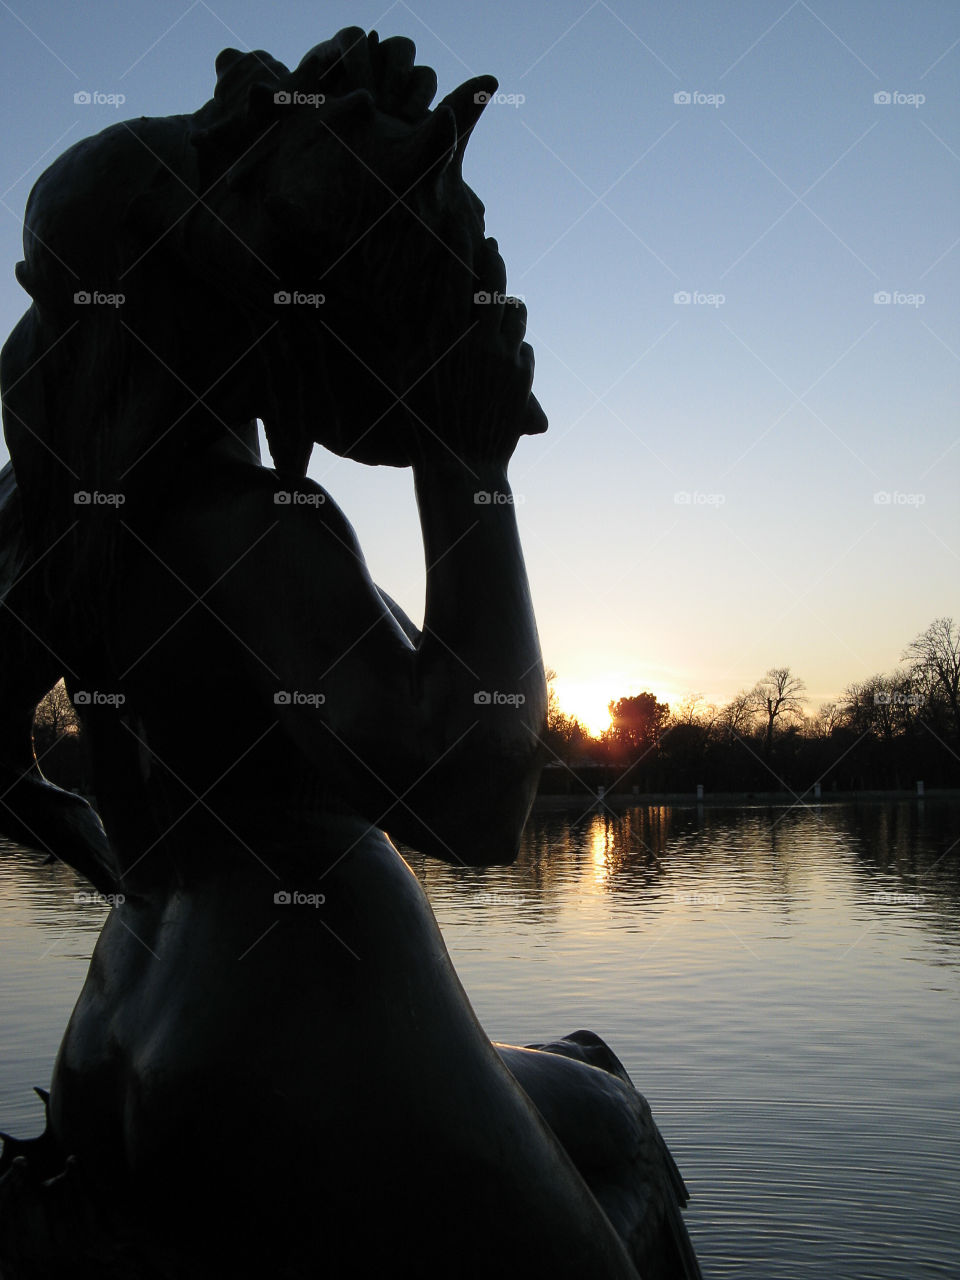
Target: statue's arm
[(478, 681), (433, 736), (479, 667)]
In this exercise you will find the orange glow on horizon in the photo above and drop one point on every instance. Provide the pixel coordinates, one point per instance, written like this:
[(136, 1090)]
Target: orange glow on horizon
[(588, 700)]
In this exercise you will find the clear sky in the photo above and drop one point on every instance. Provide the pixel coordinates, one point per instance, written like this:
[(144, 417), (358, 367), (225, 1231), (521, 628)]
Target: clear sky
[(705, 503)]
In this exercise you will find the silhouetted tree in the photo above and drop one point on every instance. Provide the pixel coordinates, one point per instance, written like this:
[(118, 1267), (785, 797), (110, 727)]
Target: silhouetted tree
[(829, 717), (778, 696), (53, 719), (691, 709), (737, 717), (886, 731), (58, 741), (636, 724), (883, 704), (934, 658), (565, 736)]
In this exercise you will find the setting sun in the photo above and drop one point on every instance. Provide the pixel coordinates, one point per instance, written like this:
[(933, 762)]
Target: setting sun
[(587, 701)]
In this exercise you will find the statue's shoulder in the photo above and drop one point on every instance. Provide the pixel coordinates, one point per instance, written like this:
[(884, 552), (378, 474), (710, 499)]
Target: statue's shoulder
[(225, 505)]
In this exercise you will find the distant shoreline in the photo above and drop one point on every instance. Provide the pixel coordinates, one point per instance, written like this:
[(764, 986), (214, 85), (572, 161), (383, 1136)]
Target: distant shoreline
[(732, 799)]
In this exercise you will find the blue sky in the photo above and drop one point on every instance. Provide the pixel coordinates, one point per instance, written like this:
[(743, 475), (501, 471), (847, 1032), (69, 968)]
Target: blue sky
[(705, 503)]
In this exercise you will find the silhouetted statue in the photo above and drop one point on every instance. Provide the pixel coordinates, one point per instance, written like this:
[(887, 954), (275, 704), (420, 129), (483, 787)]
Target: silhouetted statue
[(272, 1068)]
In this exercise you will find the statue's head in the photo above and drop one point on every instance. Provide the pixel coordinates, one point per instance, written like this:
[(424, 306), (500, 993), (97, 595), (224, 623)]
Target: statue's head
[(298, 250), (350, 227)]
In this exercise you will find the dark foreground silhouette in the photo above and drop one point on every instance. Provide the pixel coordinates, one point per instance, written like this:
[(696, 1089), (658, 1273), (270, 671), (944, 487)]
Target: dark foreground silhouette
[(272, 1068)]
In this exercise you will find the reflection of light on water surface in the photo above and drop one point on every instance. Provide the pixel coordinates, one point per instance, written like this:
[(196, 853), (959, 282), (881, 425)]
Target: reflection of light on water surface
[(602, 842)]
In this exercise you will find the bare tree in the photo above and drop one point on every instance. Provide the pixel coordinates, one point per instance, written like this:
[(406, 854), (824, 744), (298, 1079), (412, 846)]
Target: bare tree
[(884, 705), (53, 719), (691, 709), (934, 658), (830, 717), (738, 714), (778, 696)]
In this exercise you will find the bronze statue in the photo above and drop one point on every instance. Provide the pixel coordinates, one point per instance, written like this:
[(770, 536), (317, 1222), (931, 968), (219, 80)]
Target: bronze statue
[(272, 1068)]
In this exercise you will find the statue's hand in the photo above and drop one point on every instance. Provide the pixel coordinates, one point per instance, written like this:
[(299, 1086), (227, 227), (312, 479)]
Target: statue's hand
[(474, 400)]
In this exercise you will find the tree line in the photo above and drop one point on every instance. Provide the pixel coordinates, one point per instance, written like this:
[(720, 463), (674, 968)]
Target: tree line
[(885, 732)]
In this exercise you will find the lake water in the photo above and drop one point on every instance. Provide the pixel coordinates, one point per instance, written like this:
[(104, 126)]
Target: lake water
[(782, 983)]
